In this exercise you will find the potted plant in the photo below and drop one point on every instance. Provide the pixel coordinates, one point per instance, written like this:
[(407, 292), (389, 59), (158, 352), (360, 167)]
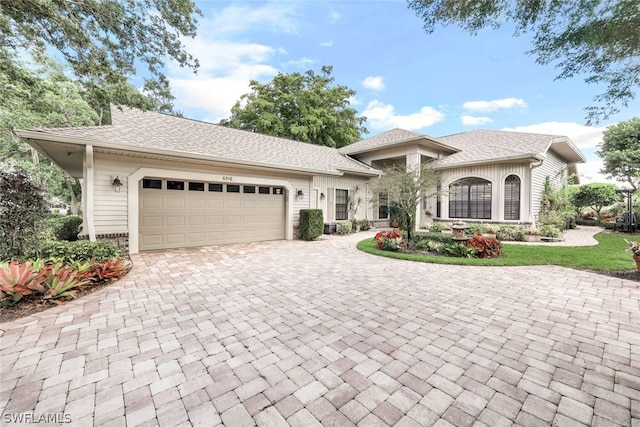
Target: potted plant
[(634, 249), (490, 230), (531, 234)]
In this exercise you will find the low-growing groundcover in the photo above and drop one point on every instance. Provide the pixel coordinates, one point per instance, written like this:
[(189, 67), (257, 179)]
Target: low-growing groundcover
[(608, 257)]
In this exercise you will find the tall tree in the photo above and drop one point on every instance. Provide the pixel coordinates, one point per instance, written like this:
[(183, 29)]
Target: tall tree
[(102, 40), (620, 152), (406, 188), (599, 38), (305, 107)]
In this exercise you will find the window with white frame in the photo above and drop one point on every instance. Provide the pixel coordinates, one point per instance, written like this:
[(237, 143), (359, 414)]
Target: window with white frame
[(512, 198), (470, 198), (341, 204)]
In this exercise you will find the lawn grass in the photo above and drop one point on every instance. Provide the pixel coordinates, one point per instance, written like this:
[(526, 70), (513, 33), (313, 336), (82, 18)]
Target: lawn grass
[(608, 255)]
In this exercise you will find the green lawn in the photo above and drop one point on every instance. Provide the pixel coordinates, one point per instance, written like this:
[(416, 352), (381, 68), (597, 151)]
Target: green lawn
[(608, 255)]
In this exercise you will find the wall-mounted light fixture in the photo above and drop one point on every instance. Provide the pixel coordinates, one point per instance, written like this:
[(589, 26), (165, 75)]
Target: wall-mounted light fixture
[(299, 194), (321, 196), (116, 184)]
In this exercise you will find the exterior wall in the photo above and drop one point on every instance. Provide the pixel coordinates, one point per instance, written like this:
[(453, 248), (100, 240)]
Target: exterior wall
[(325, 183), (496, 174), (113, 211), (553, 167)]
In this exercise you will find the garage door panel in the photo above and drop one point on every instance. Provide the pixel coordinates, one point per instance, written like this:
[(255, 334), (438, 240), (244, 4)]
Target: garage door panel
[(174, 218), (175, 238), (197, 220), (152, 221)]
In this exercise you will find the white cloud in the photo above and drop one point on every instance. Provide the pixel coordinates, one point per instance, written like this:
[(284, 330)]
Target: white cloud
[(475, 121), (353, 100), (374, 83), (302, 63), (327, 43), (280, 17), (226, 65), (582, 136), (494, 105), (382, 116), (334, 15)]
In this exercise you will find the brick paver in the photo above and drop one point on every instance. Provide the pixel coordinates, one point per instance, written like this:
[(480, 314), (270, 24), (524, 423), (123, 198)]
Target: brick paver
[(318, 333)]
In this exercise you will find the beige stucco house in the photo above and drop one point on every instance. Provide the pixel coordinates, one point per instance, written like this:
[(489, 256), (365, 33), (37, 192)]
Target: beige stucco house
[(156, 181)]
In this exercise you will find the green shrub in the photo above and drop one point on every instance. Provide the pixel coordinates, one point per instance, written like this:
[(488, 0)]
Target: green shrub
[(435, 236), (437, 227), (311, 224), (550, 231), (430, 245), (461, 250), (365, 225), (510, 232), (81, 250), (344, 227), (473, 229), (65, 227)]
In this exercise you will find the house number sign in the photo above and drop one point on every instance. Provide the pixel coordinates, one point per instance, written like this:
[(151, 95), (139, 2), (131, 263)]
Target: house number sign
[(227, 178)]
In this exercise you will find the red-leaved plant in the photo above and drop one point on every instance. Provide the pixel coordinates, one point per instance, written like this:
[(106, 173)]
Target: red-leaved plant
[(388, 240), (485, 247)]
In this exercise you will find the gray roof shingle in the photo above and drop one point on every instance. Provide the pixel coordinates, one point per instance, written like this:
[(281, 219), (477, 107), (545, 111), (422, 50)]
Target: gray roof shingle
[(388, 138), (140, 131), (489, 145)]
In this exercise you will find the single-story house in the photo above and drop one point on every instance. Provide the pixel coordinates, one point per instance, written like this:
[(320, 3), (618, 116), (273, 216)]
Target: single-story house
[(154, 181)]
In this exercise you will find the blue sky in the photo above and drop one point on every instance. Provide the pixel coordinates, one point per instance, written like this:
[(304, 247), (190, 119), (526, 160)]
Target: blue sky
[(437, 84)]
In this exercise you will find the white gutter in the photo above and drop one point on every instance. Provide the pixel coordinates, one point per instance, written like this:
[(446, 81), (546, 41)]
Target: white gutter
[(487, 161)]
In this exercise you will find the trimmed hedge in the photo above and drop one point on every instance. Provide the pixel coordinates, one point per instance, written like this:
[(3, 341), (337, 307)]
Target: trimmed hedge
[(81, 250), (311, 224), (65, 227)]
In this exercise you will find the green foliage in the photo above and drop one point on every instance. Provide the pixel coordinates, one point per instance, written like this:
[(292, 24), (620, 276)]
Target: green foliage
[(474, 228), (438, 227), (510, 232), (595, 195), (64, 227), (17, 281), (304, 107), (344, 227), (61, 281), (461, 250), (388, 240), (620, 152), (406, 189), (81, 250), (103, 42), (597, 39), (431, 246), (550, 231), (311, 224), (435, 236), (365, 225), (608, 255), (23, 210)]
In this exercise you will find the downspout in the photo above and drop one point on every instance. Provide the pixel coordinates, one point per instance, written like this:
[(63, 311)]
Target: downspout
[(88, 192), (532, 166)]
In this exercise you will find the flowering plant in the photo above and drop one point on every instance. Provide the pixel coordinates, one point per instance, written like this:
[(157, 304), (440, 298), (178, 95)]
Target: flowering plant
[(634, 247), (389, 240), (485, 247)]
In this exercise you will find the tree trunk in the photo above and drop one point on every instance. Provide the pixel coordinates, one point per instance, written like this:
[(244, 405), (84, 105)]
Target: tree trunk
[(75, 204)]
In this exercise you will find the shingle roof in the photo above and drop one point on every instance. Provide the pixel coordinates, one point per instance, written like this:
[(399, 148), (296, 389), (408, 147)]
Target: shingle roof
[(138, 130), (389, 138), (488, 145)]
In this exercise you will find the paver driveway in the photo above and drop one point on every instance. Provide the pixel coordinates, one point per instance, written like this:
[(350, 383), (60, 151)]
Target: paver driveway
[(304, 333)]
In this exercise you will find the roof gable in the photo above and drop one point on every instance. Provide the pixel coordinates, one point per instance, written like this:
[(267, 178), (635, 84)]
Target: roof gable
[(391, 138)]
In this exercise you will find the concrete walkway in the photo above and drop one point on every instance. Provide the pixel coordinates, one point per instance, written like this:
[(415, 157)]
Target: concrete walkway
[(579, 236), (318, 333)]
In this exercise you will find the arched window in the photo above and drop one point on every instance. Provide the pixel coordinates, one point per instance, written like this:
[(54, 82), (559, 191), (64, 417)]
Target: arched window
[(512, 197), (470, 198)]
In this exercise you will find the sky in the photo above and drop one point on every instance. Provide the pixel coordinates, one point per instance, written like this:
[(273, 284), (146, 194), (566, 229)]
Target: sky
[(437, 84)]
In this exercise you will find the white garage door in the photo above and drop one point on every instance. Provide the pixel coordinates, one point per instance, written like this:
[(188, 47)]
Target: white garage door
[(178, 213)]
